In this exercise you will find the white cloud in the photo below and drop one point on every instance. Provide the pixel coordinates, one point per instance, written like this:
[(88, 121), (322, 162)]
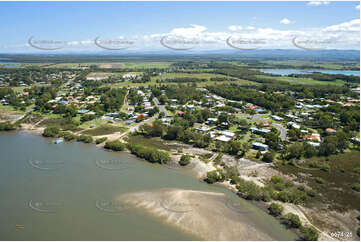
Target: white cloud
[(344, 35), (317, 3), (350, 26), (235, 27), (358, 7), (339, 36), (285, 21), (239, 27), (192, 31)]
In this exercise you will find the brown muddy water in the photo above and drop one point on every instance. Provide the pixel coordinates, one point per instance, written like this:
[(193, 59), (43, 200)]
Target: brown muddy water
[(67, 191)]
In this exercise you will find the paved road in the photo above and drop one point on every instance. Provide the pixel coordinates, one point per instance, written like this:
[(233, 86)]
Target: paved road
[(161, 107)]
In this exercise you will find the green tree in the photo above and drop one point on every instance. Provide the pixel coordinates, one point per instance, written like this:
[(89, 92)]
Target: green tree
[(275, 209), (268, 157), (309, 150), (309, 233), (294, 151), (184, 160), (85, 138), (114, 145), (100, 140), (51, 132), (292, 220)]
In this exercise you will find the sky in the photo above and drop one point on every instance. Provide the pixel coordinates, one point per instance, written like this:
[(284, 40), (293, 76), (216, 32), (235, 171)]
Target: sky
[(131, 26)]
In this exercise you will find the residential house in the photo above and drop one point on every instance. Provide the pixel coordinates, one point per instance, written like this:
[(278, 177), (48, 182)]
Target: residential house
[(259, 146), (255, 130), (330, 131), (276, 118)]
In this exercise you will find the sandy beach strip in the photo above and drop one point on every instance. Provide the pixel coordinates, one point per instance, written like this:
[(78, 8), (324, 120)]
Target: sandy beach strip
[(203, 214)]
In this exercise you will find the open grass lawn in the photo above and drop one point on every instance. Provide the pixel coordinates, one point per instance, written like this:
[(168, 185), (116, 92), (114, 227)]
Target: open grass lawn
[(337, 187), (239, 81), (156, 143), (294, 80), (7, 108), (104, 130), (207, 76), (146, 64), (50, 122), (49, 115)]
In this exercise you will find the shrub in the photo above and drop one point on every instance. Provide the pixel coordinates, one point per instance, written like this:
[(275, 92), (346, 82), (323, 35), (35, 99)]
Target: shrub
[(356, 169), (297, 196), (184, 160), (320, 180), (235, 179), (291, 220), (68, 136), (114, 145), (51, 132), (87, 117), (275, 209), (356, 187), (315, 164), (215, 176), (150, 154), (301, 188), (266, 195), (7, 126), (100, 140), (309, 233), (284, 196), (85, 138), (325, 167), (279, 184), (311, 193), (218, 158), (250, 190), (268, 157)]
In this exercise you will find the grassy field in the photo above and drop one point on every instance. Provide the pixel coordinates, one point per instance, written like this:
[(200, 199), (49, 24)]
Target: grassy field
[(104, 130), (171, 75), (146, 65), (7, 108), (156, 143), (294, 80)]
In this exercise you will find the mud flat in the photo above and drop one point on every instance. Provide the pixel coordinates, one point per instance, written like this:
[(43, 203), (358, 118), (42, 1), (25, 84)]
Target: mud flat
[(207, 215)]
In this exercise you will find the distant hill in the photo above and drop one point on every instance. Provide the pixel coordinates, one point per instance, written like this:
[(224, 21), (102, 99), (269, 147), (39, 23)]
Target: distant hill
[(260, 54)]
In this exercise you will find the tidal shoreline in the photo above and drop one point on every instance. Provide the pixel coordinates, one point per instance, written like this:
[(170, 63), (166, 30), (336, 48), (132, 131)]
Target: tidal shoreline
[(208, 215), (200, 171)]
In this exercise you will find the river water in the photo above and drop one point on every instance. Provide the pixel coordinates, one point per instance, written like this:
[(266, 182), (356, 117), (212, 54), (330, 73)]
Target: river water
[(66, 191)]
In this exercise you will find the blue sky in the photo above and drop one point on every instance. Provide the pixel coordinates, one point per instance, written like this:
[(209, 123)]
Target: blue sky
[(81, 22)]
